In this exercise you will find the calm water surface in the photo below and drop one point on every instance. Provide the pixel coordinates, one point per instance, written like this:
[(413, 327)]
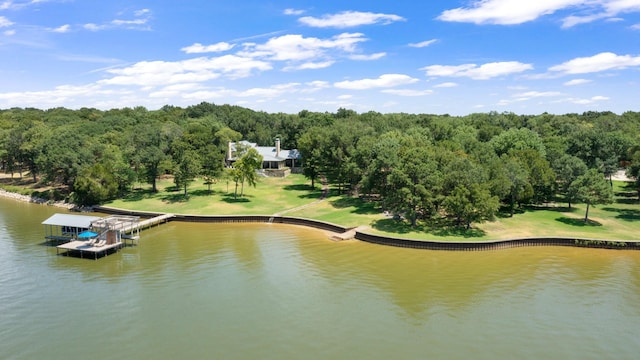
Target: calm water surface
[(276, 292)]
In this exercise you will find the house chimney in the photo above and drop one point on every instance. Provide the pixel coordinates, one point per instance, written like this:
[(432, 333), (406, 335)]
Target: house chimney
[(277, 147), (229, 153)]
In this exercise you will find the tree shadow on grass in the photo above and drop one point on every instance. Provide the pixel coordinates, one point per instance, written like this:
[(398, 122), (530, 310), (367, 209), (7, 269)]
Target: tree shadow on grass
[(625, 214), (361, 207), (300, 187), (628, 196), (578, 222), (505, 214), (627, 200), (436, 228), (175, 198), (396, 226), (307, 191), (204, 192), (137, 195), (236, 200)]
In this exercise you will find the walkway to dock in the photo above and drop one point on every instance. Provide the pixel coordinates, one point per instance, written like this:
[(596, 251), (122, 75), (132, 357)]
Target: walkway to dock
[(147, 223)]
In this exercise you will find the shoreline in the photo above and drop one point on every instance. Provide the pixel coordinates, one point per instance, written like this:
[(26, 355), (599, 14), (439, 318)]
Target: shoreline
[(453, 245), (36, 200)]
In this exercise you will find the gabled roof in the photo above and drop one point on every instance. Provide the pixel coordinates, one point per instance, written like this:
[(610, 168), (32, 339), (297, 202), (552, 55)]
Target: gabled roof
[(79, 221), (269, 152)]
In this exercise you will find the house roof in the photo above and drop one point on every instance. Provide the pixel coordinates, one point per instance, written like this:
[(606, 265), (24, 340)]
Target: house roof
[(268, 153), (79, 221)]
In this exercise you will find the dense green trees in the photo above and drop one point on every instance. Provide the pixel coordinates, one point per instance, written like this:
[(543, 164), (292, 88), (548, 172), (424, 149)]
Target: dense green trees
[(420, 167), (592, 189)]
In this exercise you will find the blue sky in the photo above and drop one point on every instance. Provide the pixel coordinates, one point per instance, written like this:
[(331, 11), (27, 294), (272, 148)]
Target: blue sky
[(440, 57)]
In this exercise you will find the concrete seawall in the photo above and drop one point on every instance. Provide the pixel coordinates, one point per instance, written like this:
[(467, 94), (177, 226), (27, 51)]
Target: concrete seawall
[(498, 244), (391, 241), (289, 220)]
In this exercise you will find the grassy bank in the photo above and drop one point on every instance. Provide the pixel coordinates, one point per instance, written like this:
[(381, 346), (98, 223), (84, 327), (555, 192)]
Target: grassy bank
[(271, 195), (293, 196), (619, 220)]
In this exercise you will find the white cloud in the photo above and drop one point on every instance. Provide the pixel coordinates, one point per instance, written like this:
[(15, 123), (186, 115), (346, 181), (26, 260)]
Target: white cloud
[(572, 20), (257, 92), (528, 95), (62, 29), (293, 12), (156, 73), (320, 84), (362, 57), (270, 92), (386, 80), (142, 12), (139, 22), (535, 94), (198, 48), (94, 27), (310, 66), (175, 90), (9, 32), (446, 85), (581, 101), (576, 82), (423, 43), (407, 92), (311, 52), (473, 71), (505, 12), (510, 12), (345, 97), (12, 5), (129, 23), (635, 26), (4, 22), (348, 19), (596, 63), (64, 94)]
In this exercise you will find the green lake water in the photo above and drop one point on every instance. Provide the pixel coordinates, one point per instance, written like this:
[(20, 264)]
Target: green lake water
[(260, 291)]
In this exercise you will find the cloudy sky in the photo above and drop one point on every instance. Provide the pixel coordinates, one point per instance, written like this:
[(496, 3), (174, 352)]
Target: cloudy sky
[(448, 56)]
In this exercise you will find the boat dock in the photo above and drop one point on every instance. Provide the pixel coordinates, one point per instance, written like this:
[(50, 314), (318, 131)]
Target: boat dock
[(90, 236)]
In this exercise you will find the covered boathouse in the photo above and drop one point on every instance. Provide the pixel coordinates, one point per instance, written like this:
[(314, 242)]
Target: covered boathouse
[(90, 236)]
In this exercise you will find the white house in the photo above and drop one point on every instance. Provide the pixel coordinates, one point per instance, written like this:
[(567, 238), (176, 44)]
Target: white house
[(275, 161)]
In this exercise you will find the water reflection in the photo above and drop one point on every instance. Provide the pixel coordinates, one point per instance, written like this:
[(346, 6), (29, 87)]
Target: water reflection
[(194, 289)]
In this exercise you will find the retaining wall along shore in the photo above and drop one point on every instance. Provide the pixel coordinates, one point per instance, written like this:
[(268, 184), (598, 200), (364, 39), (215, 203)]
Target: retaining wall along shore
[(391, 241)]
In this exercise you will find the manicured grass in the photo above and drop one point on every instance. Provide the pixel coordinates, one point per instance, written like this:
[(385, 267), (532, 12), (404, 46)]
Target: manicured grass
[(617, 221), (271, 195), (342, 210)]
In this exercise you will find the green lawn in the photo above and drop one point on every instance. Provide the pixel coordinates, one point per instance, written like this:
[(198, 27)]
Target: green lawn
[(271, 195), (617, 221)]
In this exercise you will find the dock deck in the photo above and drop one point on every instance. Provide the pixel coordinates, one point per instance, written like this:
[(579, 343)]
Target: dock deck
[(84, 247)]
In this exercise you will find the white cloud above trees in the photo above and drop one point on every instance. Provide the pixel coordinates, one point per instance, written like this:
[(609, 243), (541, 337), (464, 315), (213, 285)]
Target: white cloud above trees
[(383, 81), (600, 62), (512, 12), (347, 19), (477, 72), (198, 48)]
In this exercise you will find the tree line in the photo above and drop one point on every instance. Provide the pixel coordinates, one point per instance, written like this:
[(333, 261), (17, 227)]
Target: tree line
[(418, 166)]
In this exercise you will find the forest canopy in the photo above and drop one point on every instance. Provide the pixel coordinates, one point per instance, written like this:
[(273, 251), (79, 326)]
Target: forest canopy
[(417, 165)]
